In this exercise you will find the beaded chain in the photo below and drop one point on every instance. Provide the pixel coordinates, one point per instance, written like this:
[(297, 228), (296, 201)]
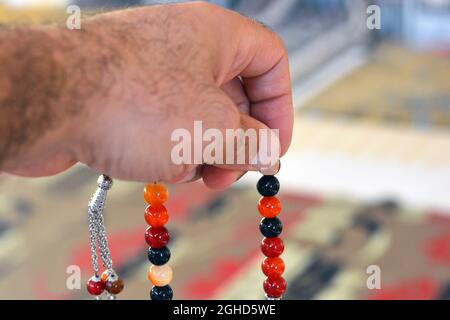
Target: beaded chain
[(271, 245), (109, 280), (160, 273)]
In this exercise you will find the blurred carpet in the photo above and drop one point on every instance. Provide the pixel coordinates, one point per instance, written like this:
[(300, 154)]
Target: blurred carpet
[(329, 242)]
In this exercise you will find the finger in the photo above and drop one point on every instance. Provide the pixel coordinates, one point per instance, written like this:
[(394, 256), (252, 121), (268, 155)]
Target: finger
[(47, 167), (249, 148), (264, 69), (235, 90), (267, 82), (219, 178), (190, 174), (219, 113)]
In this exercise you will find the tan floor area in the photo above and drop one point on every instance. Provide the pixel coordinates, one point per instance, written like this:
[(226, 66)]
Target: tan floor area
[(396, 86)]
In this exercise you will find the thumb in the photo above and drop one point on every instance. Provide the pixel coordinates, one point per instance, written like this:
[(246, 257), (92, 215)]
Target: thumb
[(251, 146)]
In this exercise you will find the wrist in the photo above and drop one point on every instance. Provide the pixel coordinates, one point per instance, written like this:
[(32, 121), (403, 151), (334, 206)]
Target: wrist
[(91, 62), (47, 83)]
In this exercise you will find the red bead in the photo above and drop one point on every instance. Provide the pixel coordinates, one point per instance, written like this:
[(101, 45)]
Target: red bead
[(156, 215), (273, 267), (95, 286), (274, 287), (272, 247), (269, 207), (157, 237)]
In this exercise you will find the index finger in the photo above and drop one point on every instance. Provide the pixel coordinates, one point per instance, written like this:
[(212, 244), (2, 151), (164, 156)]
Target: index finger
[(244, 48), (266, 78)]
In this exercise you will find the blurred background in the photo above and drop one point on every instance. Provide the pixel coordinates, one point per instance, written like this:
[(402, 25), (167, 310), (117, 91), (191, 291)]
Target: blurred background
[(366, 181)]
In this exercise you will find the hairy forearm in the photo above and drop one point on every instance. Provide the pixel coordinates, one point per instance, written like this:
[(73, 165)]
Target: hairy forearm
[(111, 94), (55, 81), (30, 82), (48, 77)]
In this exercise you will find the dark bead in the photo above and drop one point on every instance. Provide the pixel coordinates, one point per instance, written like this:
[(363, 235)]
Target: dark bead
[(158, 256), (268, 186), (161, 293), (270, 228)]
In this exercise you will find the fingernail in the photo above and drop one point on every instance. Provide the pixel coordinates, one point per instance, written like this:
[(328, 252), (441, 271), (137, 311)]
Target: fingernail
[(270, 165), (188, 177), (271, 170)]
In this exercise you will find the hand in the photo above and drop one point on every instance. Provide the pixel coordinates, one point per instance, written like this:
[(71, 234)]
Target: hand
[(139, 74)]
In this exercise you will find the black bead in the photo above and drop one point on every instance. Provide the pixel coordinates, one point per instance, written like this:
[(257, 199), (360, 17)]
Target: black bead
[(270, 228), (158, 256), (268, 186), (161, 293)]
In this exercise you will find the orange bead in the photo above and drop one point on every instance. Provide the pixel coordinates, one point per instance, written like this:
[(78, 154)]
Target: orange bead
[(156, 215), (160, 276), (273, 267), (155, 193), (105, 275), (269, 207)]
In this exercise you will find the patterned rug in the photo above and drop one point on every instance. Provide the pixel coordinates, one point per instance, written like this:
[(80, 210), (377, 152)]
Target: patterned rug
[(330, 243)]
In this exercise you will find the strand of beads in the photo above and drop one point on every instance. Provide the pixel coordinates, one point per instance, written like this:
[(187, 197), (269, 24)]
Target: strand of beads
[(160, 274), (271, 246), (109, 280)]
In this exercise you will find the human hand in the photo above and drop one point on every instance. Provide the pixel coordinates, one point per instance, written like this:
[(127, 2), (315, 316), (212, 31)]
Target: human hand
[(133, 77)]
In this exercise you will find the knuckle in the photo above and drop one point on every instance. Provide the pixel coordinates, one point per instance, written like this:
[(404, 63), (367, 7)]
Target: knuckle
[(279, 42), (201, 5), (224, 114)]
